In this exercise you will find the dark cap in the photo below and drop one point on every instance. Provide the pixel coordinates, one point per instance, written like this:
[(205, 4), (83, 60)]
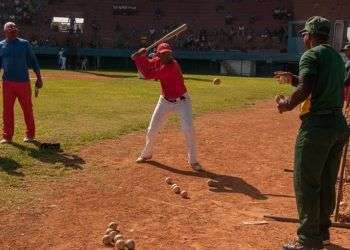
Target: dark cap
[(317, 26), (346, 47)]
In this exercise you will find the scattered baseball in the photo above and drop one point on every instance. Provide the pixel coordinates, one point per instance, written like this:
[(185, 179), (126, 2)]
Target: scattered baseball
[(113, 225), (130, 244), (118, 237), (174, 185), (120, 245), (107, 240), (184, 194), (212, 183), (169, 181), (177, 190), (112, 234), (108, 231), (216, 81)]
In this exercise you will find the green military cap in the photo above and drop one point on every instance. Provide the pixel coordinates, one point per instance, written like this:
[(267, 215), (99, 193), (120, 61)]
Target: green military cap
[(346, 47), (317, 26)]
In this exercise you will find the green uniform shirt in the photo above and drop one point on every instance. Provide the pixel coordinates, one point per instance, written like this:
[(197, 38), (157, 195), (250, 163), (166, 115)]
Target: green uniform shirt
[(327, 65)]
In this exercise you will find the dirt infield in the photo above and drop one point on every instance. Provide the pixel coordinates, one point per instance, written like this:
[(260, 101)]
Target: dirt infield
[(246, 151)]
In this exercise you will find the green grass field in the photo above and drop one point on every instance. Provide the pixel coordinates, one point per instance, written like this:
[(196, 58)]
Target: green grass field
[(77, 109)]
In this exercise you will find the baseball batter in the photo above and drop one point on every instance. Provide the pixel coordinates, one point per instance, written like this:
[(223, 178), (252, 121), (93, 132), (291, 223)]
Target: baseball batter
[(174, 99)]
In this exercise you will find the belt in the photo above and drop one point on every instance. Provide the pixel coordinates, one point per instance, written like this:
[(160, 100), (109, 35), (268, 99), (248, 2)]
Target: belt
[(181, 98)]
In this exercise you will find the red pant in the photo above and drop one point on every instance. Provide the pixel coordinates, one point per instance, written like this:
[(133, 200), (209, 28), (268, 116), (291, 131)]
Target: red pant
[(23, 92)]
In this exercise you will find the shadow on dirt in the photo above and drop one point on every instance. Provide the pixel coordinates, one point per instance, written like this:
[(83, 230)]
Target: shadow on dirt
[(280, 195), (224, 183), (52, 157), (335, 247), (109, 75), (10, 167)]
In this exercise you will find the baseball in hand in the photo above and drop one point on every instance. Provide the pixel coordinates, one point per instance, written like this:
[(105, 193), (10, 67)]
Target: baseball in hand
[(280, 98)]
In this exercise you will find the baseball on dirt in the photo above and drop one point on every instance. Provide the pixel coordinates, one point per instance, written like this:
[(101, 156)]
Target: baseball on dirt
[(216, 81), (113, 225), (109, 230), (212, 183), (118, 237), (174, 185), (184, 194), (120, 245), (130, 244), (169, 181), (107, 240), (112, 234), (176, 190)]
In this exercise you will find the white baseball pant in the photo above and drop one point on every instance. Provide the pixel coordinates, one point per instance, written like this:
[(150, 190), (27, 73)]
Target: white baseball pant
[(63, 63), (162, 111)]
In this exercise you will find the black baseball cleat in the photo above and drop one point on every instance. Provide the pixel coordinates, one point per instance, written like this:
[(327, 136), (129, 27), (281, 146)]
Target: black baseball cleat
[(299, 246)]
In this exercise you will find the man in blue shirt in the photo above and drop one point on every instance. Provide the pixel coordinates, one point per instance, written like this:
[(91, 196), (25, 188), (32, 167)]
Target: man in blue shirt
[(16, 57)]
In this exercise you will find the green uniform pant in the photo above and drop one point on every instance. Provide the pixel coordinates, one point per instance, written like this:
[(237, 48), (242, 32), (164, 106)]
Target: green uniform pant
[(318, 151)]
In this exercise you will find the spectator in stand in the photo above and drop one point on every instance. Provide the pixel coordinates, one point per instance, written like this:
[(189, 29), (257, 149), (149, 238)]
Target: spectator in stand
[(241, 31), (229, 19), (157, 13), (152, 33)]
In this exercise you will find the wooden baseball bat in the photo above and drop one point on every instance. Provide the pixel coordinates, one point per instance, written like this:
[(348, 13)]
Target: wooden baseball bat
[(167, 37)]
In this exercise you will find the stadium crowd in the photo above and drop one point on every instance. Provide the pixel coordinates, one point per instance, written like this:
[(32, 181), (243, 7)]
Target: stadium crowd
[(235, 32)]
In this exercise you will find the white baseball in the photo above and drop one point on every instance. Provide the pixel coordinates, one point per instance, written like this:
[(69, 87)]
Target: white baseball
[(130, 244)]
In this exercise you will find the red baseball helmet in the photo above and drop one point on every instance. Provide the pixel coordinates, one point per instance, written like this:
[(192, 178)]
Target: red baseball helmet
[(163, 48)]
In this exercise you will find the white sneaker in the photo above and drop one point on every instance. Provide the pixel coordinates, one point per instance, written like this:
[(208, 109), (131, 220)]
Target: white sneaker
[(5, 141), (196, 166), (29, 140), (143, 159)]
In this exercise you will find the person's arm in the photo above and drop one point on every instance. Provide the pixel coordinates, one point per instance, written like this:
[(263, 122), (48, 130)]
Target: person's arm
[(33, 63), (306, 82), (148, 67), (347, 89), (301, 93)]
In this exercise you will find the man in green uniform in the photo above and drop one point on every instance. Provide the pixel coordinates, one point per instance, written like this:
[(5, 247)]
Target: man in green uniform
[(322, 135)]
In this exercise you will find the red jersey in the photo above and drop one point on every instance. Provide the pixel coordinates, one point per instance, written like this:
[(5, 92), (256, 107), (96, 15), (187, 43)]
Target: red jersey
[(170, 75)]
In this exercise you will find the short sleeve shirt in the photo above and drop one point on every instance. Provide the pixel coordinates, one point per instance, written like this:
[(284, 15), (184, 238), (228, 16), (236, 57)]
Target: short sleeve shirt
[(327, 65)]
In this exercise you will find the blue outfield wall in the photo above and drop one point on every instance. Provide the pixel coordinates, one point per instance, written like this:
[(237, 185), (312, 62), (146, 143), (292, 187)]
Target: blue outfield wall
[(205, 62), (192, 55)]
